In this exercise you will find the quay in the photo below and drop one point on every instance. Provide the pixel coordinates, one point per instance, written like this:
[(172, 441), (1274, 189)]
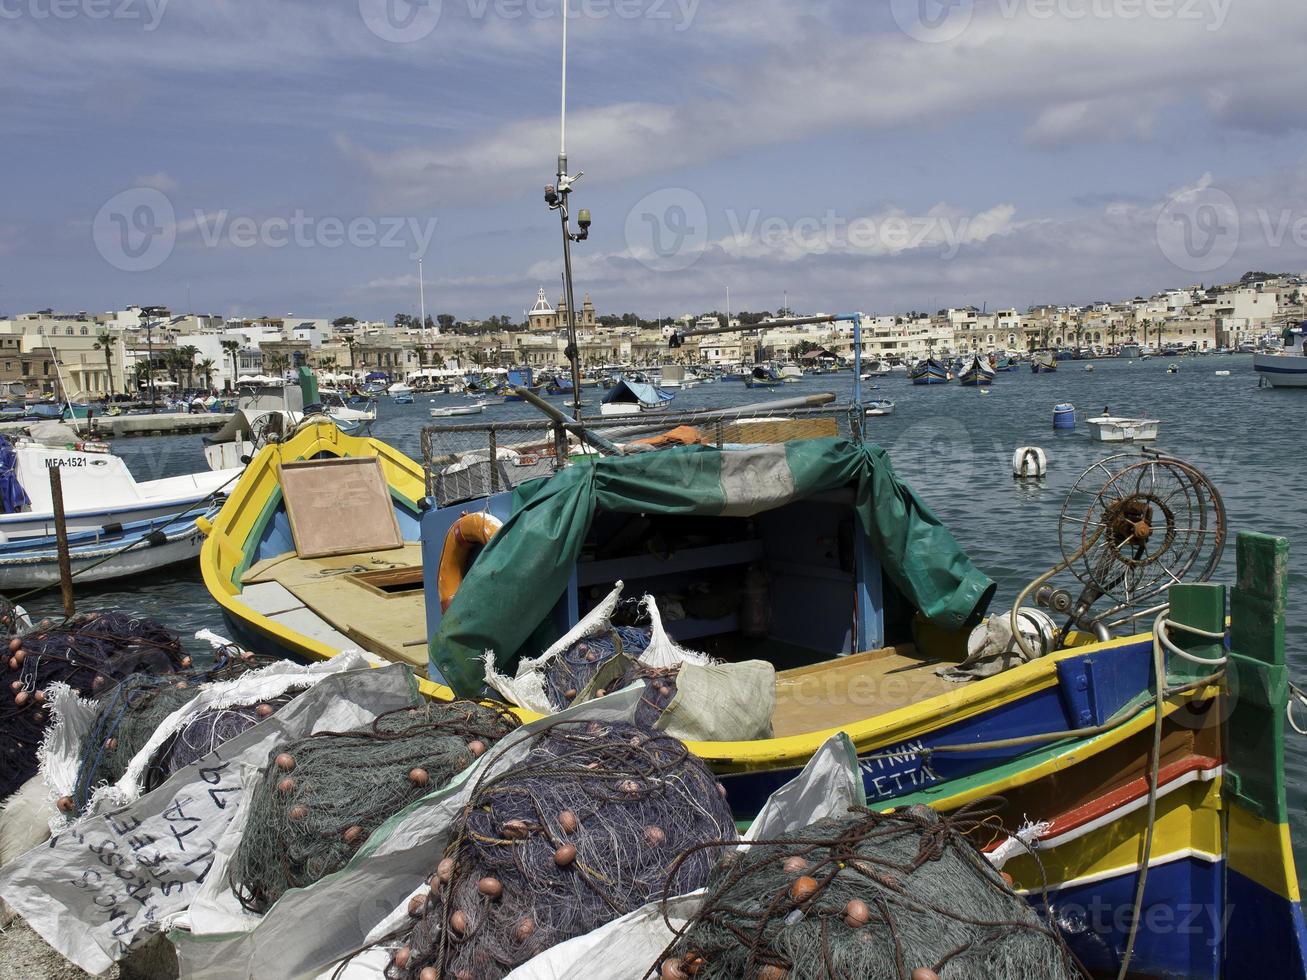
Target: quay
[(123, 426)]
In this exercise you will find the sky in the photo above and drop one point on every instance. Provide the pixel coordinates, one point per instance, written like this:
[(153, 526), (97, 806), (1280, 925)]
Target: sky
[(298, 157)]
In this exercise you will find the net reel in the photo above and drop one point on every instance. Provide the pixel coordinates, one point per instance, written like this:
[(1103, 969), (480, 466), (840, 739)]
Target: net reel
[(1131, 527)]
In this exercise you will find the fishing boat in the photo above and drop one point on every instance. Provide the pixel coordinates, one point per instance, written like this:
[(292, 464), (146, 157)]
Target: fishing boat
[(977, 372), (930, 371), (268, 412), (1004, 363), (875, 369), (116, 525), (630, 397), (791, 374), (1115, 428), (1043, 362), (449, 411), (762, 376), (400, 393), (880, 406), (1067, 737), (1286, 367)]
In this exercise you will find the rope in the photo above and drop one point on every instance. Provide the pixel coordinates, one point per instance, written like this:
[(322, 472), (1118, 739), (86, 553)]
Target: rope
[(146, 538)]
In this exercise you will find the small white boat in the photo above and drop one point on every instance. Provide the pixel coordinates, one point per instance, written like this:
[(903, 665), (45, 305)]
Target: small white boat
[(1222, 374), (1089, 367), (1173, 369), (1286, 367), (1115, 428), (116, 526), (880, 406), (450, 411)]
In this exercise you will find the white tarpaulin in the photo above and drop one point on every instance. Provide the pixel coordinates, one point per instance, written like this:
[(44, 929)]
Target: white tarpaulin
[(118, 877)]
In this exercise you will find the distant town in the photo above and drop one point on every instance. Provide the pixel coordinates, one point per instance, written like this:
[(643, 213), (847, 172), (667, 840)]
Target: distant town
[(95, 356)]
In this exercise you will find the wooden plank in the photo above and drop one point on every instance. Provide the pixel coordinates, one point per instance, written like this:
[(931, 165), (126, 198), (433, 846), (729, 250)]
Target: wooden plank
[(339, 507)]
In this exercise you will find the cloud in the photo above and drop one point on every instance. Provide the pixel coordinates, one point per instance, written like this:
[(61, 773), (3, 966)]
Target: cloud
[(159, 181)]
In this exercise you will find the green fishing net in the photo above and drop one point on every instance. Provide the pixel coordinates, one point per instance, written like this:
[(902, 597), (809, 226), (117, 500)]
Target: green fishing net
[(321, 796), (901, 894)]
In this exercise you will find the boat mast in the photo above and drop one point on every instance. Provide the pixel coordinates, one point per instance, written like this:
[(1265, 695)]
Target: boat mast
[(556, 197), (422, 302)]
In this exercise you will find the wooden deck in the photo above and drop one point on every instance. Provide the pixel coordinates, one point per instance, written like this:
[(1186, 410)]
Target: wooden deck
[(373, 599), (854, 688)]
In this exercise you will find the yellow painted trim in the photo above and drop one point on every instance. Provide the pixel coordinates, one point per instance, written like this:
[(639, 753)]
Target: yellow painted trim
[(1262, 851), (1188, 819), (235, 523)]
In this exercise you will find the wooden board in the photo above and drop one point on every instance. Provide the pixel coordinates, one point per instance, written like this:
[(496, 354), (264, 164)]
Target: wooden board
[(339, 507)]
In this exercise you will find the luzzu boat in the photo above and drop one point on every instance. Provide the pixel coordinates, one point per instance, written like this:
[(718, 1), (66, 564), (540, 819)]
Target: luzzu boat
[(930, 371), (867, 595), (977, 372)]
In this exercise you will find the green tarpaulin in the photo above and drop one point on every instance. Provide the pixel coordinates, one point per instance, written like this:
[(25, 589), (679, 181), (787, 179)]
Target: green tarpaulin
[(521, 574)]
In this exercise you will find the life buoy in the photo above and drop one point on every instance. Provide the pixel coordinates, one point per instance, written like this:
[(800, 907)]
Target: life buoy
[(466, 532)]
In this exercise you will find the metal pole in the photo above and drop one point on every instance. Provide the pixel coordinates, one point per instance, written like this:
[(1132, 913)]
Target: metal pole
[(573, 354), (61, 540)]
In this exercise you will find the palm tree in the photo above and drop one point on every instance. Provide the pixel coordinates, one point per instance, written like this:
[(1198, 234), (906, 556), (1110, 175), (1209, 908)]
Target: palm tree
[(277, 363), (104, 342), (1112, 331), (186, 355), (232, 347), (207, 367), (353, 346)]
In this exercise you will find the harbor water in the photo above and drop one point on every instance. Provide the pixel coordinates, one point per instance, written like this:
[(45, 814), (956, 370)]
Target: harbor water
[(954, 445)]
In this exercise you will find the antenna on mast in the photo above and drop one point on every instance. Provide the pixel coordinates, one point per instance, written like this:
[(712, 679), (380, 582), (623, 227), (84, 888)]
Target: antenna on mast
[(556, 196)]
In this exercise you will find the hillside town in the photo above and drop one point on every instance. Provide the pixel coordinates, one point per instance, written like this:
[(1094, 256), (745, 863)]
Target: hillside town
[(119, 353)]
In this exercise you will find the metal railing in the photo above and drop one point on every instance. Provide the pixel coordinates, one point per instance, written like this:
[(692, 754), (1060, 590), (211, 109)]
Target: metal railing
[(466, 461)]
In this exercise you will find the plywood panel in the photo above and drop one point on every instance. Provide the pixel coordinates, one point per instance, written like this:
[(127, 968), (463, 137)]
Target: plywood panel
[(339, 507)]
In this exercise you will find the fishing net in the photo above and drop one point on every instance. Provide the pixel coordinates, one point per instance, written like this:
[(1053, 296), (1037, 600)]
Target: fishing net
[(203, 733), (866, 895), (322, 796), (128, 714), (584, 829), (89, 653)]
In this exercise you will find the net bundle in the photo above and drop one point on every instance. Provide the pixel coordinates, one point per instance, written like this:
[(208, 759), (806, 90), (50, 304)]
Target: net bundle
[(129, 713), (589, 826), (900, 894), (89, 653), (207, 730), (608, 661), (322, 796)]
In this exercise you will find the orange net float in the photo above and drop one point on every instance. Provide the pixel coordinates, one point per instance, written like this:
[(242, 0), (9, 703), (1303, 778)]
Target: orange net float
[(469, 531)]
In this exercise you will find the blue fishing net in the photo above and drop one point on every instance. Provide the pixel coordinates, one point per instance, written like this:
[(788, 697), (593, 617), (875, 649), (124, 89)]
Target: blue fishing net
[(91, 653), (13, 498)]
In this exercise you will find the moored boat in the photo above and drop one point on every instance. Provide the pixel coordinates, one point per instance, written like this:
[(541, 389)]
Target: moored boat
[(634, 397), (1115, 428), (1286, 367), (930, 371), (977, 372), (1043, 362), (762, 376)]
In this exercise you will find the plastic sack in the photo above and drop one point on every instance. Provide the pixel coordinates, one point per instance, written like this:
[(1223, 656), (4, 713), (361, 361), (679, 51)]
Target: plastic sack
[(74, 716), (713, 701), (113, 880)]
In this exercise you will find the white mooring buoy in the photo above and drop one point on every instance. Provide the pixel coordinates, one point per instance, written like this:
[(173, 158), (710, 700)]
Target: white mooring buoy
[(1029, 462)]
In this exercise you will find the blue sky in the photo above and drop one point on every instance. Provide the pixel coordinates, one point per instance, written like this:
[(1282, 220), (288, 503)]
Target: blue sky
[(297, 156)]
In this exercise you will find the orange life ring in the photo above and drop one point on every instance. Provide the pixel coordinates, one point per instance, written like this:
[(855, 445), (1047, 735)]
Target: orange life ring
[(467, 531)]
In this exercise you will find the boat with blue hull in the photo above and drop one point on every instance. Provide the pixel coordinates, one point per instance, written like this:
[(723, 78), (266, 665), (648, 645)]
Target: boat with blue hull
[(930, 371), (977, 372), (763, 376), (1067, 737)]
